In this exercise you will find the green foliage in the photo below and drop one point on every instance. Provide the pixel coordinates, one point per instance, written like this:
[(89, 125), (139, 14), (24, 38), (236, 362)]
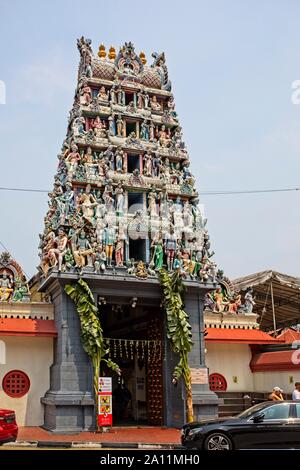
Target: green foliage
[(178, 327), (91, 331)]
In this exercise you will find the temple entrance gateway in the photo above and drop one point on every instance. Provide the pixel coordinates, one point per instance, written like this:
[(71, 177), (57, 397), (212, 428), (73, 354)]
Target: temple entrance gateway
[(134, 338)]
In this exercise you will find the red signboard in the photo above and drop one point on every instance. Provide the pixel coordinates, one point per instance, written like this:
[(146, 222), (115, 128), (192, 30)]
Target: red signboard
[(105, 401)]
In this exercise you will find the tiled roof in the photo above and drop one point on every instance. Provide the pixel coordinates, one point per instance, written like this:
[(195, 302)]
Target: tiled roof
[(239, 335)]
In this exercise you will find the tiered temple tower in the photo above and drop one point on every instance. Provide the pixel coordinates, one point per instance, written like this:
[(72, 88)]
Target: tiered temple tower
[(124, 204)]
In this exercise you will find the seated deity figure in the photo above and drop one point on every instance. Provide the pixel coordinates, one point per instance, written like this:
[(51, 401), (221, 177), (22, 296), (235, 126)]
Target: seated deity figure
[(155, 105), (100, 261), (99, 128), (83, 251), (78, 127), (163, 137), (57, 253), (6, 287), (171, 107), (72, 160), (102, 95), (85, 94)]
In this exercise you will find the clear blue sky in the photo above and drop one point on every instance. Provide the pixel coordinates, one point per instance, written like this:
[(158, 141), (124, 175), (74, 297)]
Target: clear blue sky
[(231, 64)]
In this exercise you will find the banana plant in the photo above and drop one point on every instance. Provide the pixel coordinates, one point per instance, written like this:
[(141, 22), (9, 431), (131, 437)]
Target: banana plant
[(91, 333), (178, 331)]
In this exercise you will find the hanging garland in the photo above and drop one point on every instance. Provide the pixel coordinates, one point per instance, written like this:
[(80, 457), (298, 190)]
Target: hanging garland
[(91, 331), (178, 331)]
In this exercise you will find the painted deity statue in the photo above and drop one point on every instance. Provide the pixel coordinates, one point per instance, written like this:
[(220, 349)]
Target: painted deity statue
[(102, 95), (83, 251), (119, 252), (109, 239), (158, 254), (144, 134), (57, 253), (170, 248), (112, 125), (155, 105), (119, 160), (163, 137), (72, 159), (152, 204), (85, 94), (120, 199), (99, 128), (6, 289), (120, 126), (87, 205), (148, 164)]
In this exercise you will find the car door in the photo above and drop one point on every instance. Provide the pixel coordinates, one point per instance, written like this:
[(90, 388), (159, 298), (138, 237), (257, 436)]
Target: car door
[(294, 426), (274, 430)]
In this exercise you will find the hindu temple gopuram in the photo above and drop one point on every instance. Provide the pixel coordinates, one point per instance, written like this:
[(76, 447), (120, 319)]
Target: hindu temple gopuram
[(124, 205)]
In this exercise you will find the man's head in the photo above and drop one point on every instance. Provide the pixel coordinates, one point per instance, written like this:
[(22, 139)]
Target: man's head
[(297, 386)]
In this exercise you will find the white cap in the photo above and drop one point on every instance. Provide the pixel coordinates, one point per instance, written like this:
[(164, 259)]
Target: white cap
[(277, 389)]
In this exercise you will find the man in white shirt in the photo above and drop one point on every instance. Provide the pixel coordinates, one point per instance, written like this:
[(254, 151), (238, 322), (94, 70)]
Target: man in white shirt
[(296, 392)]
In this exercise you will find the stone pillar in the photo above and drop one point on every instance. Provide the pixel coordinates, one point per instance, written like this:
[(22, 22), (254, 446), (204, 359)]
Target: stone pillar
[(69, 403), (204, 400)]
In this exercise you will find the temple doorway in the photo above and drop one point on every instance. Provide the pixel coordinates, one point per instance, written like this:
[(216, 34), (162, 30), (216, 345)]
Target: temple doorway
[(134, 338)]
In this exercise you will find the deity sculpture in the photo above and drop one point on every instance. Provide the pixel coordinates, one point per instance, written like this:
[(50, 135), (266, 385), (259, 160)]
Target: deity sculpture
[(119, 160), (170, 248), (112, 125), (120, 126), (158, 254), (144, 134), (72, 159), (99, 128), (140, 100), (155, 105), (85, 94), (148, 164), (121, 95), (146, 100), (152, 206), (120, 199), (249, 303), (109, 239), (57, 253), (100, 261), (171, 107), (83, 251), (5, 287), (164, 138), (113, 94), (102, 95), (78, 126), (119, 252), (87, 205)]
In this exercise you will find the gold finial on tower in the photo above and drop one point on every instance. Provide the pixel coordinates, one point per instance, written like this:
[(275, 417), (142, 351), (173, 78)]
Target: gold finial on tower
[(112, 53), (102, 52), (143, 58)]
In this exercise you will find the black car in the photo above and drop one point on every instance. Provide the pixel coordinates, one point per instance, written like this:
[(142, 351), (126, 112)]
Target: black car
[(263, 426)]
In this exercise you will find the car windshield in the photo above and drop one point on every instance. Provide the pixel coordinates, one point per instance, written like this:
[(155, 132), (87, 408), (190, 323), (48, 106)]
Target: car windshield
[(245, 414)]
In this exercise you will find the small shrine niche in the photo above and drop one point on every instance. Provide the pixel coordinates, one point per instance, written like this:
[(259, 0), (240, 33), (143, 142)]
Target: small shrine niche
[(13, 283)]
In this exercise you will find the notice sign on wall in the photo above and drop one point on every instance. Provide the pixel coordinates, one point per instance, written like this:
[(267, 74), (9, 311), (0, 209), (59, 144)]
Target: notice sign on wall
[(105, 401)]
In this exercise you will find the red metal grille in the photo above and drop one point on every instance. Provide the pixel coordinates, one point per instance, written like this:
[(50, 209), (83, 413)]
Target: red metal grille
[(16, 383), (217, 383)]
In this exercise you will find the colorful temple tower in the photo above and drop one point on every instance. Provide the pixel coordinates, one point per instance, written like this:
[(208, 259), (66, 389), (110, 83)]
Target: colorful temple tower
[(124, 205)]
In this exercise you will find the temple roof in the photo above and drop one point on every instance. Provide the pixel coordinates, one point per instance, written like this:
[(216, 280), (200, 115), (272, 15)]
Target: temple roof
[(239, 335), (286, 294)]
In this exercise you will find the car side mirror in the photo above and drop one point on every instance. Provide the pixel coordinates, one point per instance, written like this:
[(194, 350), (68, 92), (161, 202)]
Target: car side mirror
[(258, 418)]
